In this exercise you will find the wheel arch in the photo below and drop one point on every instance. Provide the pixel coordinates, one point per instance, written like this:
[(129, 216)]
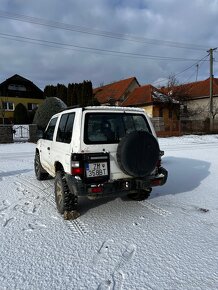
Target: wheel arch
[(58, 166)]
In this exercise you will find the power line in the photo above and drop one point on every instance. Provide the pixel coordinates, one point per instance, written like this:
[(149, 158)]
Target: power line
[(186, 69), (199, 61), (90, 31), (93, 49)]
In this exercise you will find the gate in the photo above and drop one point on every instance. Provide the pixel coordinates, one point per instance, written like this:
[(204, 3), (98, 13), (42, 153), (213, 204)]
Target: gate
[(21, 133)]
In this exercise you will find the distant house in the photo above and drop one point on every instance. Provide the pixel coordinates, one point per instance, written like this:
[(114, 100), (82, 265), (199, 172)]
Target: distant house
[(15, 90), (159, 106), (115, 93), (163, 110), (195, 97), (195, 104)]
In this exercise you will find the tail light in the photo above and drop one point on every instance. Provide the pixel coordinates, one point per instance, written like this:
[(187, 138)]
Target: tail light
[(96, 189), (76, 169)]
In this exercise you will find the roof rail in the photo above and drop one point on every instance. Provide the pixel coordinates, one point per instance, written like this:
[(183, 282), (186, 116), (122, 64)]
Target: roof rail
[(71, 107)]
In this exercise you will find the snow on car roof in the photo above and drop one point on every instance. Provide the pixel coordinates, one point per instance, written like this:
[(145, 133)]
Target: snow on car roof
[(114, 108)]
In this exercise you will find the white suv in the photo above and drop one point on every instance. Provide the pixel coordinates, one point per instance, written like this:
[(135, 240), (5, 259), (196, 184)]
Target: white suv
[(99, 151)]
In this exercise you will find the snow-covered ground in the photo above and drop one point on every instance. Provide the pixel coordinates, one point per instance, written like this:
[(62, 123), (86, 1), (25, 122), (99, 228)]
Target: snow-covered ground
[(169, 241)]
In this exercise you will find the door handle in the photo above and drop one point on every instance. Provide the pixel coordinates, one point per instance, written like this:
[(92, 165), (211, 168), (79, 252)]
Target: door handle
[(48, 148)]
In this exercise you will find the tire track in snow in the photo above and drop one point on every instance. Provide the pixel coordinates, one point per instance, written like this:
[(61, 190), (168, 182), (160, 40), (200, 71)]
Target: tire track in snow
[(154, 208), (77, 227)]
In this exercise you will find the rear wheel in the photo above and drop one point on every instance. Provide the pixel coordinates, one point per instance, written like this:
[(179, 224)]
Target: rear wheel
[(40, 173), (140, 195), (65, 200)]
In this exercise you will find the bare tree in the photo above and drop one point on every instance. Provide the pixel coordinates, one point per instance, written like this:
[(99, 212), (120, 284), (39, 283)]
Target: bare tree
[(181, 93)]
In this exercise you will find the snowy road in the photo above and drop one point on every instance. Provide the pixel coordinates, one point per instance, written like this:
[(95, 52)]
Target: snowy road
[(169, 241)]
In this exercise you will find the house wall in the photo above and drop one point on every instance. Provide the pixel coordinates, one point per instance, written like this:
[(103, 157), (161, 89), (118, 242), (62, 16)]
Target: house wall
[(199, 108), (15, 100), (148, 110), (164, 125), (131, 88)]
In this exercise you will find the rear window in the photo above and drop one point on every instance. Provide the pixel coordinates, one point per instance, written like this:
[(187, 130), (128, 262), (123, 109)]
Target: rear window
[(109, 128)]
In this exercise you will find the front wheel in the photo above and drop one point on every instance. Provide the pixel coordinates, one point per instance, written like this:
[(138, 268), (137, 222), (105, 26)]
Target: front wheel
[(40, 173), (140, 195), (65, 200)]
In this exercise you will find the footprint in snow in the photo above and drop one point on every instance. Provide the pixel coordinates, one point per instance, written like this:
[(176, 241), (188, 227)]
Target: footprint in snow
[(34, 226), (103, 251), (116, 277), (7, 222)]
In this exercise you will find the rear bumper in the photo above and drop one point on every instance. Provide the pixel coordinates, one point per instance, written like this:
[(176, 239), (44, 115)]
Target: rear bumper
[(161, 178), (116, 187)]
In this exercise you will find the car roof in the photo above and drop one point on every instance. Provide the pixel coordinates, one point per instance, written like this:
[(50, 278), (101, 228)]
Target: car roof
[(100, 109)]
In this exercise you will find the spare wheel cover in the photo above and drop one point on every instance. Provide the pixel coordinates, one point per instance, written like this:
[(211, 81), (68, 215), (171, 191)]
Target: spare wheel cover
[(138, 153)]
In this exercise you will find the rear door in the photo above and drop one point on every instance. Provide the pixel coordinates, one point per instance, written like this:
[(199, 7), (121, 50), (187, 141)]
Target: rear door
[(118, 124), (61, 147)]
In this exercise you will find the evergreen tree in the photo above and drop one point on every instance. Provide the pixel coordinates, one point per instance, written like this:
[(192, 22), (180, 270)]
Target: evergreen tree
[(74, 94), (61, 92), (50, 91), (21, 114)]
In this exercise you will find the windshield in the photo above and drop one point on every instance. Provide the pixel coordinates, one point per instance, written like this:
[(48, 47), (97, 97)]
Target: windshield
[(111, 127)]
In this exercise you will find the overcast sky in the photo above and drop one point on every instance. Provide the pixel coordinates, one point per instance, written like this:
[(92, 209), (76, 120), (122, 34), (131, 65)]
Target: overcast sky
[(67, 41)]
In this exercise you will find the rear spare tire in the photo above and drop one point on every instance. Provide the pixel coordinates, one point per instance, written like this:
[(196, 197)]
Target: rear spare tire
[(138, 153)]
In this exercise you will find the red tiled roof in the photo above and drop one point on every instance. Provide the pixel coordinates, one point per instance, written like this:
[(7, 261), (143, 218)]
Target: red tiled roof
[(114, 90), (196, 90), (139, 96), (145, 95)]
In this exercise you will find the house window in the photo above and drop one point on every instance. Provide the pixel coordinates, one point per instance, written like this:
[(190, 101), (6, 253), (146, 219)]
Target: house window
[(8, 106), (31, 106), (170, 113), (14, 87)]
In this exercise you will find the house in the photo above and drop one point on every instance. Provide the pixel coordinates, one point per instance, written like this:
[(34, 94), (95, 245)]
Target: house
[(163, 110), (16, 90), (160, 107), (116, 92), (195, 104)]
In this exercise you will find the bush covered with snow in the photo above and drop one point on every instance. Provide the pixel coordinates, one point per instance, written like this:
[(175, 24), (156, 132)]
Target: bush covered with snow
[(46, 110)]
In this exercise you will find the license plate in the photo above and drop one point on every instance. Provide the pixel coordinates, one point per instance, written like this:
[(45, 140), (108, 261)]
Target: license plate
[(96, 169)]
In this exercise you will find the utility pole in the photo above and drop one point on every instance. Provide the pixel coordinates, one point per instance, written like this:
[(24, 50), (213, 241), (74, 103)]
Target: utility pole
[(211, 50), (197, 66)]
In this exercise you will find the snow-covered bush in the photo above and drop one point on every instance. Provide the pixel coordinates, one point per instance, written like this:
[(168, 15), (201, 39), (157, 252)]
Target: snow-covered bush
[(46, 110)]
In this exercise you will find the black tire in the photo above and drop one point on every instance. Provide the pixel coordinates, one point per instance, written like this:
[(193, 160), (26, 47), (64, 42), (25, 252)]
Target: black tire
[(65, 200), (140, 195), (138, 153), (40, 173)]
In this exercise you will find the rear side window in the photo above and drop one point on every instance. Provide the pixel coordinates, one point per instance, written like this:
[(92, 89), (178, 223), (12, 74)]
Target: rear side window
[(65, 128), (108, 128), (49, 132)]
